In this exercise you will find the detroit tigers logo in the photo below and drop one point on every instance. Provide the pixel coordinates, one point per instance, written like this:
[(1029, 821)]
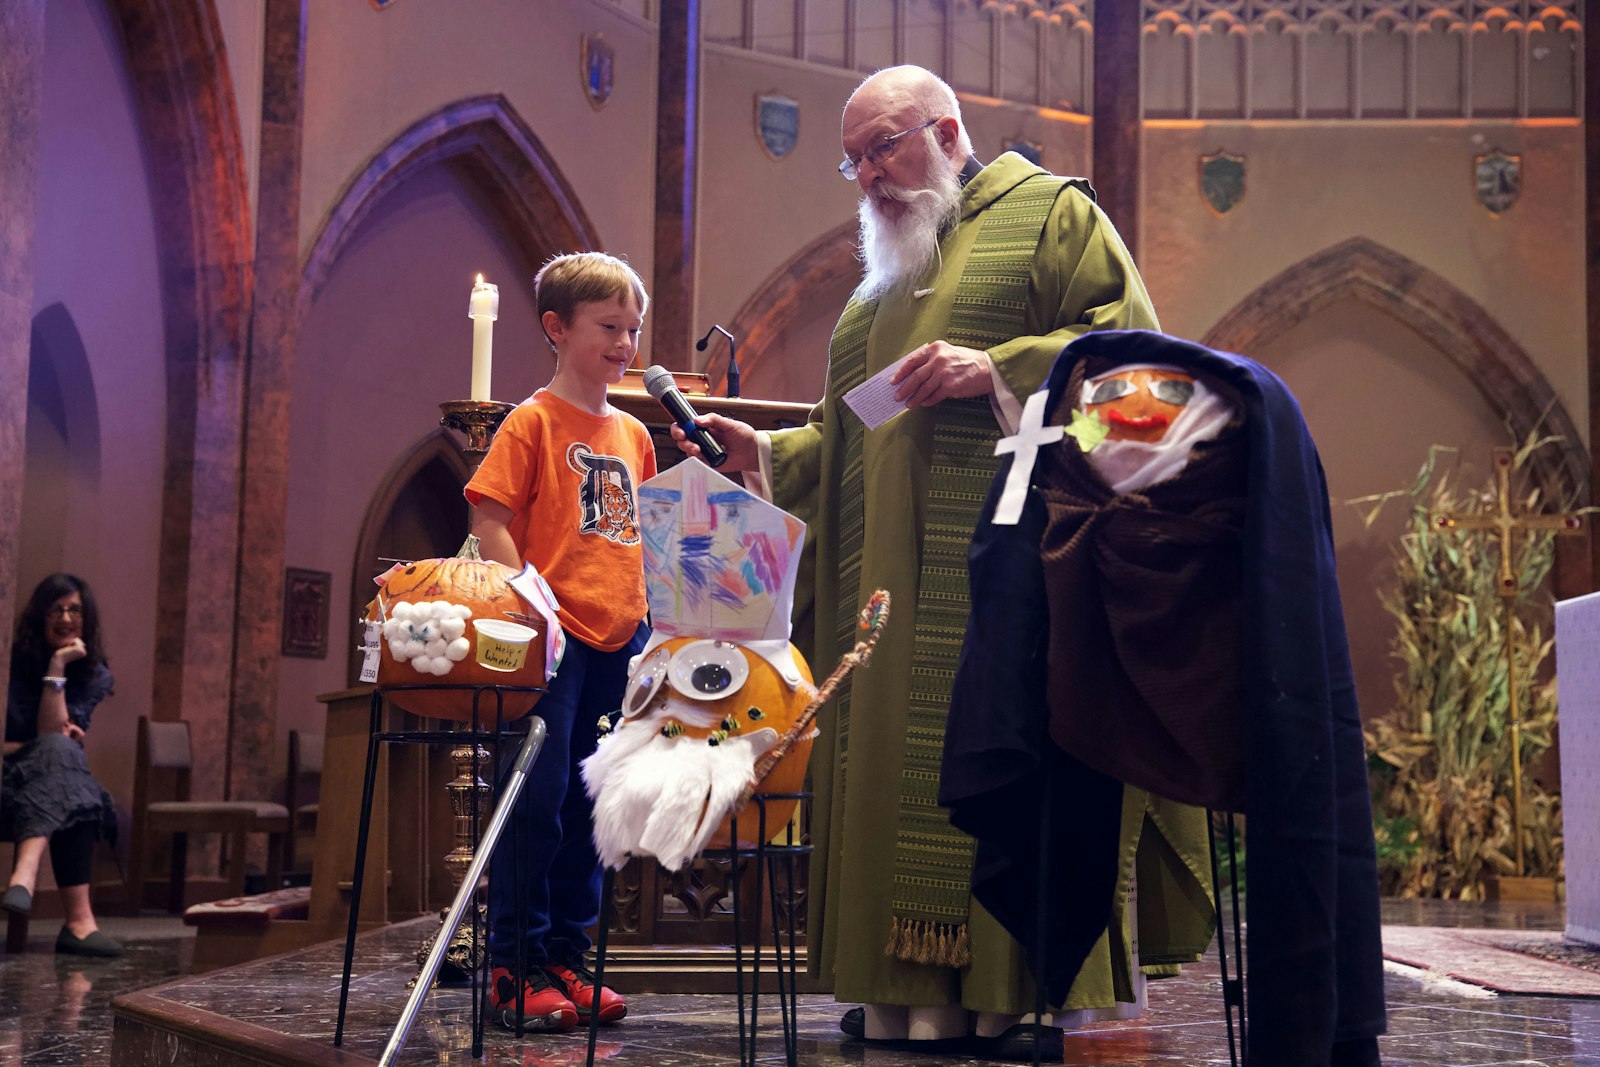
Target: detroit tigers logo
[(605, 497)]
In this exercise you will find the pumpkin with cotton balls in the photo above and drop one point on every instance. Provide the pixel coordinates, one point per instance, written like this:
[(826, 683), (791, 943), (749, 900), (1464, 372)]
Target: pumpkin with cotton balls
[(428, 610)]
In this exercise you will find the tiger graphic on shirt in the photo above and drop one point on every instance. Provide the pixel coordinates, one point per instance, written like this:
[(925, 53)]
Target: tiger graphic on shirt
[(605, 495)]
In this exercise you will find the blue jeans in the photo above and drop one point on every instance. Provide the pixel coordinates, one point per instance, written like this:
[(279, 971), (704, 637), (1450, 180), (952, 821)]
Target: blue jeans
[(548, 845)]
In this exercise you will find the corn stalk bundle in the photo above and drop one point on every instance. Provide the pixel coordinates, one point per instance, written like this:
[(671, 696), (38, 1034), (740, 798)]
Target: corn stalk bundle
[(1440, 760)]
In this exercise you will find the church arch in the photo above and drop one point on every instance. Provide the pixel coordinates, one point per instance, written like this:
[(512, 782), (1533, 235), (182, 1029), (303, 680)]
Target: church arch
[(792, 290), (503, 158), (61, 446), (1484, 352), (188, 120), (431, 471)]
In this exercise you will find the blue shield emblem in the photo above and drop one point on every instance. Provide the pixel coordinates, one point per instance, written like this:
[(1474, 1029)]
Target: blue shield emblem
[(597, 63), (777, 123)]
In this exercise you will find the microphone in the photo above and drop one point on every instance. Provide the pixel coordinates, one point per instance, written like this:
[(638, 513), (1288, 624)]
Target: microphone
[(658, 383), (733, 359)]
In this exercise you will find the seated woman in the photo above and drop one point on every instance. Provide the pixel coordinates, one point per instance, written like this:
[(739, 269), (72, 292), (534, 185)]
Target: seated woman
[(48, 797)]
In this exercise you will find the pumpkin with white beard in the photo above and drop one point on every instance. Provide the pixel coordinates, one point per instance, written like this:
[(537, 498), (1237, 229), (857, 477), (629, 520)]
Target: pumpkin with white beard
[(697, 715)]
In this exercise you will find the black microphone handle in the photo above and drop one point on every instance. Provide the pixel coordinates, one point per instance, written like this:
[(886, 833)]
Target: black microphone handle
[(684, 415)]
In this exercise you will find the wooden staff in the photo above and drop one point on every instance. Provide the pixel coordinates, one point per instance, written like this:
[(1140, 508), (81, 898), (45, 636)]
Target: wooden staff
[(873, 617)]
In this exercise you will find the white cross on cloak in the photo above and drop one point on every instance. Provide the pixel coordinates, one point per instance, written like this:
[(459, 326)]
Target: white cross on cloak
[(1026, 442)]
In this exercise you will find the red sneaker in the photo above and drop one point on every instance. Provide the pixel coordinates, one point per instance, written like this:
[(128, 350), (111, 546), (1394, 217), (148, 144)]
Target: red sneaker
[(543, 1005), (577, 982)]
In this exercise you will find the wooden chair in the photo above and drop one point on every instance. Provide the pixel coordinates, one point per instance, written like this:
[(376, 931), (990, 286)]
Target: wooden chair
[(164, 752), (305, 778)]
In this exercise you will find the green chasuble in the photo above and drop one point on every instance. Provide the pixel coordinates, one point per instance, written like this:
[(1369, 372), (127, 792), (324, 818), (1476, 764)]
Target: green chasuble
[(1079, 278)]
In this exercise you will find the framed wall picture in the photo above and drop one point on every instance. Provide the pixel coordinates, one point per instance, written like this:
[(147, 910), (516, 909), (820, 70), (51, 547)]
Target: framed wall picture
[(305, 612)]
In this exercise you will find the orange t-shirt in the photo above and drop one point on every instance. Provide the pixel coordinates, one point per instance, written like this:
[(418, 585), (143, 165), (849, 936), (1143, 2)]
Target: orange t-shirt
[(571, 480)]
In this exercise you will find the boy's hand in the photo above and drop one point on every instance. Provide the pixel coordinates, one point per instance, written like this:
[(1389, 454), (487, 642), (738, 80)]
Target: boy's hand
[(737, 438)]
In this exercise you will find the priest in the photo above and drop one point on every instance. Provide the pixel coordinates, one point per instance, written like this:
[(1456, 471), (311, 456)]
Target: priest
[(975, 277)]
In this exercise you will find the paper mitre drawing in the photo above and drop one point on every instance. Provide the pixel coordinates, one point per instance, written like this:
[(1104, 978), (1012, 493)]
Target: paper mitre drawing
[(718, 684)]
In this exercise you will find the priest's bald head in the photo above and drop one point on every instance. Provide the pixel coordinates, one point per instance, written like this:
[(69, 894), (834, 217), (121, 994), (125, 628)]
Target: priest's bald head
[(904, 145)]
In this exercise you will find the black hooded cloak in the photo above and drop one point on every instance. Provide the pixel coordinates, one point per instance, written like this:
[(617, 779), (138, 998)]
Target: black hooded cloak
[(1314, 955)]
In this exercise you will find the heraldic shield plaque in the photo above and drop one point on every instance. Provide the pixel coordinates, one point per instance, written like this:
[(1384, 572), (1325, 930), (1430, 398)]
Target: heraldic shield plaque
[(777, 123), (1499, 179), (597, 62), (1222, 180)]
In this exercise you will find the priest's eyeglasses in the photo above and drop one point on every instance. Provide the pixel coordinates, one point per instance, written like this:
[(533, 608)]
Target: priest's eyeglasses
[(1174, 391), (879, 153)]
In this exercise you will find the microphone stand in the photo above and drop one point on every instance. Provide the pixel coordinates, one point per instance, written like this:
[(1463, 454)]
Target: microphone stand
[(733, 356)]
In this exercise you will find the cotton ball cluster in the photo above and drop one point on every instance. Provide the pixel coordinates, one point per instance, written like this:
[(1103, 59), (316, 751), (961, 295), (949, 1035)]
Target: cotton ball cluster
[(429, 635)]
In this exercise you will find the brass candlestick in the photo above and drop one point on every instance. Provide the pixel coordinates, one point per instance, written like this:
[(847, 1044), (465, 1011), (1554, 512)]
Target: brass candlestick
[(478, 419), (469, 800), (469, 794)]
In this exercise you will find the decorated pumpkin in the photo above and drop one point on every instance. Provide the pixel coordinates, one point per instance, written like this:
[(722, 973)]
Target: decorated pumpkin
[(452, 623), (698, 715), (1139, 403)]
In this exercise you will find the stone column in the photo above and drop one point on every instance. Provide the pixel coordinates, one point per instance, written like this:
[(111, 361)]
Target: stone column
[(1118, 114), (672, 291), (258, 617)]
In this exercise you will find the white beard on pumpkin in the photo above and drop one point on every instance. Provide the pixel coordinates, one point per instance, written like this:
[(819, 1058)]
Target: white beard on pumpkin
[(665, 796)]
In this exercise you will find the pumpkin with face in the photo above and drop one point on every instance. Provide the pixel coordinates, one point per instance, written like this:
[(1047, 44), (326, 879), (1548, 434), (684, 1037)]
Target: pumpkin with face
[(429, 610), (696, 716), (1139, 404)]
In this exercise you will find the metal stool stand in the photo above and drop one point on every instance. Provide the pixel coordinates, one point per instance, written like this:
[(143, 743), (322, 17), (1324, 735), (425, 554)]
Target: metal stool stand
[(1232, 988), (765, 854), (483, 847)]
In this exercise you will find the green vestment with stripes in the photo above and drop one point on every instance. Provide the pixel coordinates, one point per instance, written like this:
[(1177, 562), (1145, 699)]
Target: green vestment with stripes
[(892, 508)]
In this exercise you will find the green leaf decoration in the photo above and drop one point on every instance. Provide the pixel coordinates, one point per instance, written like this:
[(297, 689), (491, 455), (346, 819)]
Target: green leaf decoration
[(1087, 429)]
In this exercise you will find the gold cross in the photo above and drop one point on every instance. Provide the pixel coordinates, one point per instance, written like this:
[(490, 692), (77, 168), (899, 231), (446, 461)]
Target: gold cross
[(1508, 522)]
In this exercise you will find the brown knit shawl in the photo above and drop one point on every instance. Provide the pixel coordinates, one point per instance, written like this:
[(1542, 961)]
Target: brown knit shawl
[(1145, 637)]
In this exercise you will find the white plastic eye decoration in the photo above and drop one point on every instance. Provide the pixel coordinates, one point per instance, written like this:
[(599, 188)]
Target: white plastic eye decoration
[(645, 683), (708, 670)]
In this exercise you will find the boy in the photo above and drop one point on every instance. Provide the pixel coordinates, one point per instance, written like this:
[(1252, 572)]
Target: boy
[(557, 490)]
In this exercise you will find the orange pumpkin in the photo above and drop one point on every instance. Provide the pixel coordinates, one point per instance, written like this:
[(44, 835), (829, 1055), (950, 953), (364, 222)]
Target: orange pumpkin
[(429, 610)]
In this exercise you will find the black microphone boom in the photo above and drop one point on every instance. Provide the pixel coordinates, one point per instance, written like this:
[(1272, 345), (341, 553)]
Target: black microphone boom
[(733, 355), (658, 383)]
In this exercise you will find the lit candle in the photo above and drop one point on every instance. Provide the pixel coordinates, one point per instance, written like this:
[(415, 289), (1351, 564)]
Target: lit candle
[(483, 310)]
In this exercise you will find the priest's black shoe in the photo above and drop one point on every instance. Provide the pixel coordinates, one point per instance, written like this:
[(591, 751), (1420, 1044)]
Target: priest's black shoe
[(854, 1023), (1016, 1044)]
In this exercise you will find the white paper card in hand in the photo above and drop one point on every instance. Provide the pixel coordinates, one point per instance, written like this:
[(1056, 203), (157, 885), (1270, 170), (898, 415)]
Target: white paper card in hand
[(873, 400)]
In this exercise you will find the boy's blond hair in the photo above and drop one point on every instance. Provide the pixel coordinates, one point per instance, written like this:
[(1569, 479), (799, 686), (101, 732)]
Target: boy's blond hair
[(582, 277)]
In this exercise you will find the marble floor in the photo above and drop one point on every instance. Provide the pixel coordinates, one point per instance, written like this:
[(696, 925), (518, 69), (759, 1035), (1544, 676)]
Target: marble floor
[(56, 1010)]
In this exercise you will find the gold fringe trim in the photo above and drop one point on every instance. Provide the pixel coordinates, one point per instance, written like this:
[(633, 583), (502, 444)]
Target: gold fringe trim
[(932, 944)]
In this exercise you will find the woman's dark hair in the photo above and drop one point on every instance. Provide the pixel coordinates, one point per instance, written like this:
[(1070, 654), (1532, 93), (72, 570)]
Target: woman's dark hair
[(29, 648)]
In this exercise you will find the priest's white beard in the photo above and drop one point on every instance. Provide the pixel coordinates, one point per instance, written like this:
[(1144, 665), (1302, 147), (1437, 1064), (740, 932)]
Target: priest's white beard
[(899, 251)]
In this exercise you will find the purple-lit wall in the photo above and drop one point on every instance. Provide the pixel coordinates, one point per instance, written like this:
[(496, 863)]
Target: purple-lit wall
[(96, 257)]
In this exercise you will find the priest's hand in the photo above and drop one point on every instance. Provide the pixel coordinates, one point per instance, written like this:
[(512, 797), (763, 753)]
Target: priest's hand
[(939, 370), (738, 439)]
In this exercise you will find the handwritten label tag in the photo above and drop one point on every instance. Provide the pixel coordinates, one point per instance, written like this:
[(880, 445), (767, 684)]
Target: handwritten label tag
[(371, 647)]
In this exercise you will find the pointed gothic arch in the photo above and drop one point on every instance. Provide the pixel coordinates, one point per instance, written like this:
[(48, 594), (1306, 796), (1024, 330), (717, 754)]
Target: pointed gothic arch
[(1452, 321), (188, 118), (486, 137), (435, 462), (790, 291)]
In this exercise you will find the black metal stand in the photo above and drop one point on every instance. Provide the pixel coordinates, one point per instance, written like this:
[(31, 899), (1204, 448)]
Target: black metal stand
[(766, 856), (482, 847), (1232, 988)]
